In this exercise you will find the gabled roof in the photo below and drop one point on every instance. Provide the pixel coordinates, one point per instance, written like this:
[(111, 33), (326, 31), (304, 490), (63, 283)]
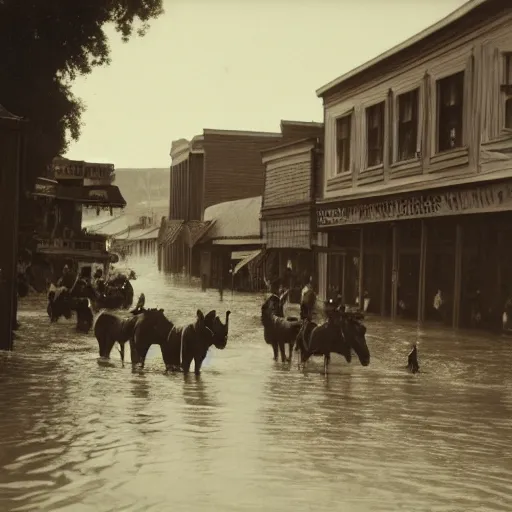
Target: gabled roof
[(234, 219), (169, 231), (5, 114), (429, 31)]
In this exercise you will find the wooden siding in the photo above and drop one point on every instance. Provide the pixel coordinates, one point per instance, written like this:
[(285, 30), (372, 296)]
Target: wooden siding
[(233, 167), (288, 180), (186, 189), (485, 153), (287, 233)]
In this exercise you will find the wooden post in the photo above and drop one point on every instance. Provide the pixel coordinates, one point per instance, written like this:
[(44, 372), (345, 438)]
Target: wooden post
[(457, 285), (344, 278), (423, 272), (384, 280), (361, 269), (394, 272)]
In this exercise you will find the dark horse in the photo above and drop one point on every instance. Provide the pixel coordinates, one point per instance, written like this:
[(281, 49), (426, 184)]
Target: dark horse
[(192, 342), (142, 329), (62, 302), (277, 330), (341, 333)]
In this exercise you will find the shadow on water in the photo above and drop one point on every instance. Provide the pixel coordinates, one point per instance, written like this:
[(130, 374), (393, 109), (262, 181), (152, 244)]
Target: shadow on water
[(249, 433)]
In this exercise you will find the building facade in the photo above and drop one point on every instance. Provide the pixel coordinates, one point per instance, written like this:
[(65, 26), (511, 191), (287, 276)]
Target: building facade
[(212, 168), (288, 223), (231, 249), (58, 204), (417, 189)]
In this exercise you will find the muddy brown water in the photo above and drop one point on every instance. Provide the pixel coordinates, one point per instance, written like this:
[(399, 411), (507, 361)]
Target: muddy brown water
[(251, 434)]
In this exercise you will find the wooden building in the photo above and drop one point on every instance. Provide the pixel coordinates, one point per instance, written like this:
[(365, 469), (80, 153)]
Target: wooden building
[(232, 246), (58, 203), (12, 141), (417, 189), (292, 176), (212, 168)]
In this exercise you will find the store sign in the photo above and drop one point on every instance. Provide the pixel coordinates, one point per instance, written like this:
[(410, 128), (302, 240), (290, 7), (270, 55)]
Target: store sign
[(484, 199), (45, 190), (98, 171), (79, 170)]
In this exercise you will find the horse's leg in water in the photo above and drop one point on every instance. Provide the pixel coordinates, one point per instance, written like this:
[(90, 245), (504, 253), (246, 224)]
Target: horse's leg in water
[(275, 348), (198, 361), (121, 350), (134, 352), (327, 360), (107, 347), (291, 351), (186, 362), (282, 350)]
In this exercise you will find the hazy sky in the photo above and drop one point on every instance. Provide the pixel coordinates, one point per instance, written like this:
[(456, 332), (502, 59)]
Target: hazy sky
[(232, 64)]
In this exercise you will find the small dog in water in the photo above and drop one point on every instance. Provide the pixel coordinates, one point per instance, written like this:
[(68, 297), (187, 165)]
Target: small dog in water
[(412, 360)]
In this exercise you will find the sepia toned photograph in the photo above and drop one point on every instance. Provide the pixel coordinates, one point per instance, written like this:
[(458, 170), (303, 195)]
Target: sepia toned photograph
[(257, 256)]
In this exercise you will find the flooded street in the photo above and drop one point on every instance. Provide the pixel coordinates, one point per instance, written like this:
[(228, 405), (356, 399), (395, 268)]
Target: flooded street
[(251, 434)]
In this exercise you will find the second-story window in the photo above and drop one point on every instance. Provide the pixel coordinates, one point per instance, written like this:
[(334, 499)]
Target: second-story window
[(375, 134), (450, 99), (507, 90), (407, 125), (343, 129)]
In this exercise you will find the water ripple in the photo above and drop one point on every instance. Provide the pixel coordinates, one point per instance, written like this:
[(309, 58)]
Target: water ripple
[(251, 434)]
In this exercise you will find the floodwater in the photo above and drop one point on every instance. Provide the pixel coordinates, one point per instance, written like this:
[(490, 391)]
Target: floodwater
[(251, 434)]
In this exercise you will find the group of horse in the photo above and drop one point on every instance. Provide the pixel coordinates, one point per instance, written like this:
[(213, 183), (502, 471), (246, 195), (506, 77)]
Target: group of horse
[(180, 345), (342, 333), (84, 299)]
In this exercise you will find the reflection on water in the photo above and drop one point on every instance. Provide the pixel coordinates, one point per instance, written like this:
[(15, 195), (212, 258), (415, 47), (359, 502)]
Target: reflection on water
[(250, 434)]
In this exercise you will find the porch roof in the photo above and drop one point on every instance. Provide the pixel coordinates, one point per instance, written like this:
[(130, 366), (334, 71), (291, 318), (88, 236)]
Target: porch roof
[(239, 219)]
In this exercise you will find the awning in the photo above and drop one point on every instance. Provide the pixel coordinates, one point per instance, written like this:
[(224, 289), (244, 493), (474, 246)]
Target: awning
[(237, 241), (169, 231), (246, 260), (92, 195)]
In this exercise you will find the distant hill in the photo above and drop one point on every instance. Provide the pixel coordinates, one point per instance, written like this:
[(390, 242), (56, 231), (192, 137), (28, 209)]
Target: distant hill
[(144, 188), (146, 192)]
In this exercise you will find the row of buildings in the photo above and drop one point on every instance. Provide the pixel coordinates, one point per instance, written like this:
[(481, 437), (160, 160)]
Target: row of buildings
[(400, 200)]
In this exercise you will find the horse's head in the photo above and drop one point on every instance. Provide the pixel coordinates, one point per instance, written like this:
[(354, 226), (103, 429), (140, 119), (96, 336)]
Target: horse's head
[(218, 329), (159, 322), (354, 332)]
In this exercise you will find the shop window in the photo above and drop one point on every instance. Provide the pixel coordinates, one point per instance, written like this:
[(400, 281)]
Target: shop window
[(343, 131), (507, 90), (450, 99), (407, 125), (375, 134)]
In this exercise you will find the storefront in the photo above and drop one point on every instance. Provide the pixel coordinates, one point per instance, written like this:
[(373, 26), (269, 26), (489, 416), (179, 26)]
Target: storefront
[(442, 255)]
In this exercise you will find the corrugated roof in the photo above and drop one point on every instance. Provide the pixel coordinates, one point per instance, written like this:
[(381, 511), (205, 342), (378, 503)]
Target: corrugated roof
[(138, 233), (113, 226), (234, 219), (169, 231)]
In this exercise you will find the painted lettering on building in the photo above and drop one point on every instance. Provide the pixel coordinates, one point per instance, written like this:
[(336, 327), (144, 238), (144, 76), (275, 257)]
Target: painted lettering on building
[(484, 199)]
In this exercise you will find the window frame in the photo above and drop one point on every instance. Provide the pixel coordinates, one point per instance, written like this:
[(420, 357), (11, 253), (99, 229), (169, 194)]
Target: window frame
[(338, 170), (396, 124), (437, 105), (506, 88), (382, 103)]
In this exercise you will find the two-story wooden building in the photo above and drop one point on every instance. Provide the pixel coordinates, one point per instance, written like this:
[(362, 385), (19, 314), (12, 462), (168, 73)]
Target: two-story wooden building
[(212, 168), (288, 223), (417, 189)]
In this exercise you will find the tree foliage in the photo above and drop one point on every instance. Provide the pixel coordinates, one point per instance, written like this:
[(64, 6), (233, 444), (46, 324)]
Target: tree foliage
[(44, 46)]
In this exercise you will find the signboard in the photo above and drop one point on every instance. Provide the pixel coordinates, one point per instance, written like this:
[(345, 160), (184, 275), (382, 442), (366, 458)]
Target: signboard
[(482, 199), (42, 189), (72, 169)]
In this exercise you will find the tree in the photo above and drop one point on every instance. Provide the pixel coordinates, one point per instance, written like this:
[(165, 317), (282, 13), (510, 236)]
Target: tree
[(44, 46)]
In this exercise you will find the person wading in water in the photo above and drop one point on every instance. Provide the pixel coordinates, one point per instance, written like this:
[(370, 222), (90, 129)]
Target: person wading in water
[(307, 301)]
